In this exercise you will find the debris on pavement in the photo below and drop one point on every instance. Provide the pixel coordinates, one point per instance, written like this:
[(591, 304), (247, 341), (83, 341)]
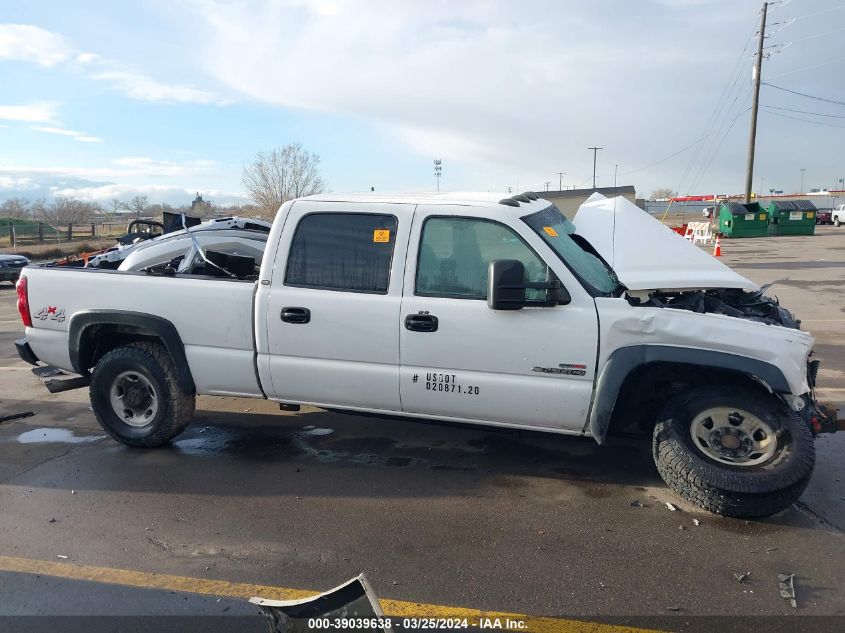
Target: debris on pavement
[(354, 599), (636, 504), (740, 576), (61, 556), (786, 585), (771, 549), (673, 608), (17, 416), (671, 507), (52, 520), (696, 522)]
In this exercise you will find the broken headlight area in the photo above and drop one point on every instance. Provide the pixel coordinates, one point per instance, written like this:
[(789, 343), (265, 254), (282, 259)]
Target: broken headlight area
[(733, 302)]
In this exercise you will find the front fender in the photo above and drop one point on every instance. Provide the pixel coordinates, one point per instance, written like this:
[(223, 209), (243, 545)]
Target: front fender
[(626, 359)]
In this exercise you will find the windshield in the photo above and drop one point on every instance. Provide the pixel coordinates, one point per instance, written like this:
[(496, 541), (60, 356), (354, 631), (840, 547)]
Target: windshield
[(559, 233)]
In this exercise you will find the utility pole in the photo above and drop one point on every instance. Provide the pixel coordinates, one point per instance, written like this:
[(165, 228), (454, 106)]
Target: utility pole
[(615, 169), (560, 176), (803, 169), (438, 168), (755, 102), (595, 151), (548, 184)]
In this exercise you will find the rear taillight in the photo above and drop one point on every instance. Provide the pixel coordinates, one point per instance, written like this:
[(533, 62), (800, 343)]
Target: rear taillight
[(23, 301)]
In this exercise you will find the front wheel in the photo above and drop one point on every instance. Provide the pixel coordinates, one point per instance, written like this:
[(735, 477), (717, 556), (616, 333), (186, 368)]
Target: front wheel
[(734, 451), (137, 398), (836, 223)]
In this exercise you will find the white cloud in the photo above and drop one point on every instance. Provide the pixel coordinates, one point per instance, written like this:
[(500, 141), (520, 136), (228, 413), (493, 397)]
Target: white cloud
[(11, 182), (128, 167), (142, 88), (498, 87), (27, 43), (30, 113), (77, 136), (155, 192)]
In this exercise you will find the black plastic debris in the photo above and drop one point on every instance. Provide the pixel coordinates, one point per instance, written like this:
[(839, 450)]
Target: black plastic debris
[(17, 416)]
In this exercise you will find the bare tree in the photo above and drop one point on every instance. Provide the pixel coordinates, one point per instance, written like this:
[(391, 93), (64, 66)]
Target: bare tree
[(281, 174), (64, 211), (138, 205), (663, 194), (15, 208), (116, 205)]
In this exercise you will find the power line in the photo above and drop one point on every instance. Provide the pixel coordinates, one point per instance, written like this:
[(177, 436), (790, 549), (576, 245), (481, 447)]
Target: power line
[(662, 160), (719, 116), (809, 15), (795, 118), (834, 116), (798, 70), (795, 92), (810, 37)]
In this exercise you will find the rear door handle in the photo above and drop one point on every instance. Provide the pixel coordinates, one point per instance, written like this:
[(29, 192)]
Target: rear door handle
[(296, 315), (421, 323)]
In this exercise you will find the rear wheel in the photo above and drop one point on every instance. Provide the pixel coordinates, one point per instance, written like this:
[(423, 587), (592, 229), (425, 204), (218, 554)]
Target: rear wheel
[(735, 451), (137, 398)]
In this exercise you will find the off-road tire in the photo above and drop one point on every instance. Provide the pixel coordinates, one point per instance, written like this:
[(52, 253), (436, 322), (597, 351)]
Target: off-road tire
[(175, 409), (836, 223), (736, 491)]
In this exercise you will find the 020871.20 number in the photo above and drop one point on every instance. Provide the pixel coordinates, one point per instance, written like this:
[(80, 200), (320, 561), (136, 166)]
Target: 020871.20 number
[(448, 383)]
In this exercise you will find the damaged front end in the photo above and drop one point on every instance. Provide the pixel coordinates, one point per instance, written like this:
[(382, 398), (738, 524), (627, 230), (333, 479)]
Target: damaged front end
[(751, 306), (732, 302)]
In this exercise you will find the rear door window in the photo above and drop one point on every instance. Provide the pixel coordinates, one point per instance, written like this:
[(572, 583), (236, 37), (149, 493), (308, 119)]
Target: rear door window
[(349, 252)]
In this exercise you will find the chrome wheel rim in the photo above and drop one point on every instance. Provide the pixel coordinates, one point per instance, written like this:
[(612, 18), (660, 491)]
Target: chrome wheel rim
[(133, 398), (733, 436)]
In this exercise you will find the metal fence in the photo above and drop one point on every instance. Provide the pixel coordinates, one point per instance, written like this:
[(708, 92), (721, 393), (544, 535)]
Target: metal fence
[(33, 233)]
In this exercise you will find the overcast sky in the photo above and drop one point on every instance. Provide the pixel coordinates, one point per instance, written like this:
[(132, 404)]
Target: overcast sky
[(102, 99)]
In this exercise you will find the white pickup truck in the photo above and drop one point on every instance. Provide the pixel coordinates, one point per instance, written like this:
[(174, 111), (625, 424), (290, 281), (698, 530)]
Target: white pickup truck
[(464, 308)]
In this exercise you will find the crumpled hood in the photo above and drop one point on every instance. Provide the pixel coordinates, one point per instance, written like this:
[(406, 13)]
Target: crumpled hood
[(645, 253)]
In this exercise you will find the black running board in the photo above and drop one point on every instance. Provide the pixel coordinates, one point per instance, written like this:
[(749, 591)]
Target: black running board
[(58, 385)]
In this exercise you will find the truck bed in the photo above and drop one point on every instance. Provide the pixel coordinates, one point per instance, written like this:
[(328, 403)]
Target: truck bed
[(213, 317)]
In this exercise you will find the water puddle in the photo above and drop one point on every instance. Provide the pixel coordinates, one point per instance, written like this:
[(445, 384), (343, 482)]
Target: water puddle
[(51, 435), (312, 430)]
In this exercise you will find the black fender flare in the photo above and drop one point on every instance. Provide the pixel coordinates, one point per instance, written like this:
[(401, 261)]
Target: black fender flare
[(131, 323), (626, 359)]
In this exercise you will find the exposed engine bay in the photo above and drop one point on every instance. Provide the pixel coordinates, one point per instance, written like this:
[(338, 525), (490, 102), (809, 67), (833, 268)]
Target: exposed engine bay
[(733, 302)]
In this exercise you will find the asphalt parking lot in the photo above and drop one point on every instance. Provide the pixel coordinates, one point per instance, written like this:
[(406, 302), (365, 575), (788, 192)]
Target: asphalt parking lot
[(436, 516)]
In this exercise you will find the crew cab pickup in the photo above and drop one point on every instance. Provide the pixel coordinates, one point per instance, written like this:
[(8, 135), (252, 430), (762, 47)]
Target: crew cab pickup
[(463, 308)]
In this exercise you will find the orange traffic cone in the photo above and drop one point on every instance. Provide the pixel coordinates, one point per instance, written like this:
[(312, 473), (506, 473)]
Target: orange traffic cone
[(717, 248)]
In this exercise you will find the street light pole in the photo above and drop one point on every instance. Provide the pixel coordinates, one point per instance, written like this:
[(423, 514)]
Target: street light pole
[(803, 169), (595, 151), (438, 168)]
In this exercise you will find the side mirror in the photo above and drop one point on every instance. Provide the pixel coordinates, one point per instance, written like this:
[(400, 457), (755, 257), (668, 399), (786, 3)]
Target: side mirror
[(506, 287)]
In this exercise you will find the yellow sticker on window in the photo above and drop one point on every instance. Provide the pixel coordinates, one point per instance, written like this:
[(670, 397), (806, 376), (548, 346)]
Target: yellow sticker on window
[(550, 231), (381, 235)]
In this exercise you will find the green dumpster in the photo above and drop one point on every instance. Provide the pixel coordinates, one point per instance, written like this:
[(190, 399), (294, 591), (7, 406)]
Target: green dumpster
[(792, 217), (743, 220)]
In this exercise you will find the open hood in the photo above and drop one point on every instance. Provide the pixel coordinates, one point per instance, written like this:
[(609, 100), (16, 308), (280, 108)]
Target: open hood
[(645, 253)]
